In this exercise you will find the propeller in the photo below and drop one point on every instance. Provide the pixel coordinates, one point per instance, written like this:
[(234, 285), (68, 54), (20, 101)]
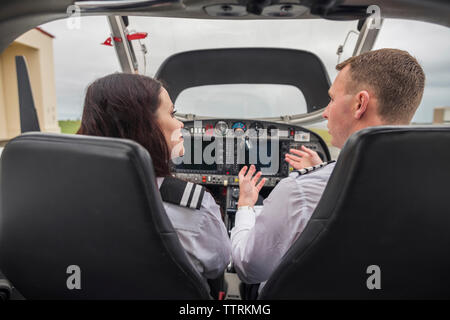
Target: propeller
[(28, 115)]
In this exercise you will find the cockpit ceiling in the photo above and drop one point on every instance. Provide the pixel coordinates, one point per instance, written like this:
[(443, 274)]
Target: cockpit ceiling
[(435, 11), (19, 16)]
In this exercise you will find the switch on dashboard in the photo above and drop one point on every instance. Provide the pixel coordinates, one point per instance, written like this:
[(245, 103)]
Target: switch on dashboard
[(235, 193)]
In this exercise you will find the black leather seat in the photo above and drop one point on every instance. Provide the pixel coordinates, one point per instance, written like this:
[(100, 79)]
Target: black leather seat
[(386, 204), (89, 202), (5, 288)]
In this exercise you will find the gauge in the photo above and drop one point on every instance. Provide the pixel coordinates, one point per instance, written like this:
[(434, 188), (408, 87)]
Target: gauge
[(255, 129), (239, 126), (221, 128)]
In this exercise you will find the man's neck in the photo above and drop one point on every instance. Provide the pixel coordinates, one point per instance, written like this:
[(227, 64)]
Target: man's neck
[(372, 122)]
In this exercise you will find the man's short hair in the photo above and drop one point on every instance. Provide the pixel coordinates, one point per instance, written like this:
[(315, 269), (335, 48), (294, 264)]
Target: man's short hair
[(396, 78)]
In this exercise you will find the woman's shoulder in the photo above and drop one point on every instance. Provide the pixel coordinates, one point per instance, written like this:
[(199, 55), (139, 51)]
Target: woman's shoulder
[(182, 193), (189, 205)]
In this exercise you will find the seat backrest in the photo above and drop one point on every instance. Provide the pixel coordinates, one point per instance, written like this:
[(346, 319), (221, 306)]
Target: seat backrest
[(385, 206), (87, 210), (5, 288)]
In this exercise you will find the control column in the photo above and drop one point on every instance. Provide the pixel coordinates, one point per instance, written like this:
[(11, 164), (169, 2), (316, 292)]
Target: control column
[(231, 206)]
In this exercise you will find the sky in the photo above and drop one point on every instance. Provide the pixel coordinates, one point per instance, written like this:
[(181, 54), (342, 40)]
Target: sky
[(80, 58)]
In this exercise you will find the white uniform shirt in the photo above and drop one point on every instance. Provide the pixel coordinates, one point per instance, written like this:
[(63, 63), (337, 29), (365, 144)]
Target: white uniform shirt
[(262, 236), (202, 234)]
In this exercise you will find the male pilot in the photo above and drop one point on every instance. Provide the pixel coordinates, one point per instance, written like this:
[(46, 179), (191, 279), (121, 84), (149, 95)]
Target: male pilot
[(382, 87)]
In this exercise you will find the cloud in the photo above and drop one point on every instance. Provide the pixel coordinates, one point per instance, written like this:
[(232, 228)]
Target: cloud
[(79, 60)]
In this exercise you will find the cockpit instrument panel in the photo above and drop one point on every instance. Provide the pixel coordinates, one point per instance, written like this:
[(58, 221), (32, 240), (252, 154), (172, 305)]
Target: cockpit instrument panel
[(216, 156)]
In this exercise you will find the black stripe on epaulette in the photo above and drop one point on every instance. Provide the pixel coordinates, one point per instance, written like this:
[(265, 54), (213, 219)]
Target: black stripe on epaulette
[(311, 169), (200, 199), (191, 194), (196, 197), (182, 193)]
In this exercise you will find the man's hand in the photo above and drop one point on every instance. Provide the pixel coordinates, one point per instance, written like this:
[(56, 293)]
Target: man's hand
[(303, 158), (248, 186)]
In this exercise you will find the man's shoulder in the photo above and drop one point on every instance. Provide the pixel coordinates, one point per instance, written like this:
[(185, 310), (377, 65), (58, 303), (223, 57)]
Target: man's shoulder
[(313, 177), (323, 169), (310, 185)]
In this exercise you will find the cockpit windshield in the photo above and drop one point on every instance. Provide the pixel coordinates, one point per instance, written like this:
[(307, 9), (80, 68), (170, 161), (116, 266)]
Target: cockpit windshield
[(248, 100), (80, 58), (238, 100)]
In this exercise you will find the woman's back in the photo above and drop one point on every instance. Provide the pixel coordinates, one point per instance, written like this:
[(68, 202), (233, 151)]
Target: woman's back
[(138, 108)]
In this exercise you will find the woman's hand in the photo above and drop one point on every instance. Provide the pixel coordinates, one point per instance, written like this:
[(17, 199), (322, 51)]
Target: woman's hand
[(303, 158), (248, 186)]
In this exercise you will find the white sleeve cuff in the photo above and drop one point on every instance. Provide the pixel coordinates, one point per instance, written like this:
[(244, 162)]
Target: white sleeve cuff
[(245, 217)]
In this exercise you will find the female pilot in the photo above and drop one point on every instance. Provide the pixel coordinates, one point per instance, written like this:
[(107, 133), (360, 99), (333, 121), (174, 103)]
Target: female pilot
[(137, 107)]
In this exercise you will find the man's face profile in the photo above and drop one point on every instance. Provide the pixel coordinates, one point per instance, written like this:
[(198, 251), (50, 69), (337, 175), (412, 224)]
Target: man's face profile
[(339, 110)]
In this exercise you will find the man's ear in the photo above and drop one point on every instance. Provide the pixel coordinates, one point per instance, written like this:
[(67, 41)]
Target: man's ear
[(362, 100)]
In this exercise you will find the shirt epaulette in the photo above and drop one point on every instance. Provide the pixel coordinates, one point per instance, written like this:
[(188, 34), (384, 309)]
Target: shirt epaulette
[(311, 169), (182, 193)]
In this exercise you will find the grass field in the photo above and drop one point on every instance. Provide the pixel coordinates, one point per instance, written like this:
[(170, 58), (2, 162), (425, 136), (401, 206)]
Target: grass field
[(324, 134), (69, 126)]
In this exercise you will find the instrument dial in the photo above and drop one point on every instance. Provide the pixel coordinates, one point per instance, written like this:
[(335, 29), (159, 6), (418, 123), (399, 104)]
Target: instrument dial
[(221, 128), (239, 126)]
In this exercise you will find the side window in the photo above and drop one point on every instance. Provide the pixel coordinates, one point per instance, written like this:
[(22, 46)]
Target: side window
[(62, 59), (79, 59), (429, 44)]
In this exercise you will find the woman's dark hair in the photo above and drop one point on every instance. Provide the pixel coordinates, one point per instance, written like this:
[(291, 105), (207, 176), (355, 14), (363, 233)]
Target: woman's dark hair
[(123, 105)]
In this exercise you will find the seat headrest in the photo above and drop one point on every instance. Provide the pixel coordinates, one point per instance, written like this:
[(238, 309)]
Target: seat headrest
[(91, 202), (385, 205)]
